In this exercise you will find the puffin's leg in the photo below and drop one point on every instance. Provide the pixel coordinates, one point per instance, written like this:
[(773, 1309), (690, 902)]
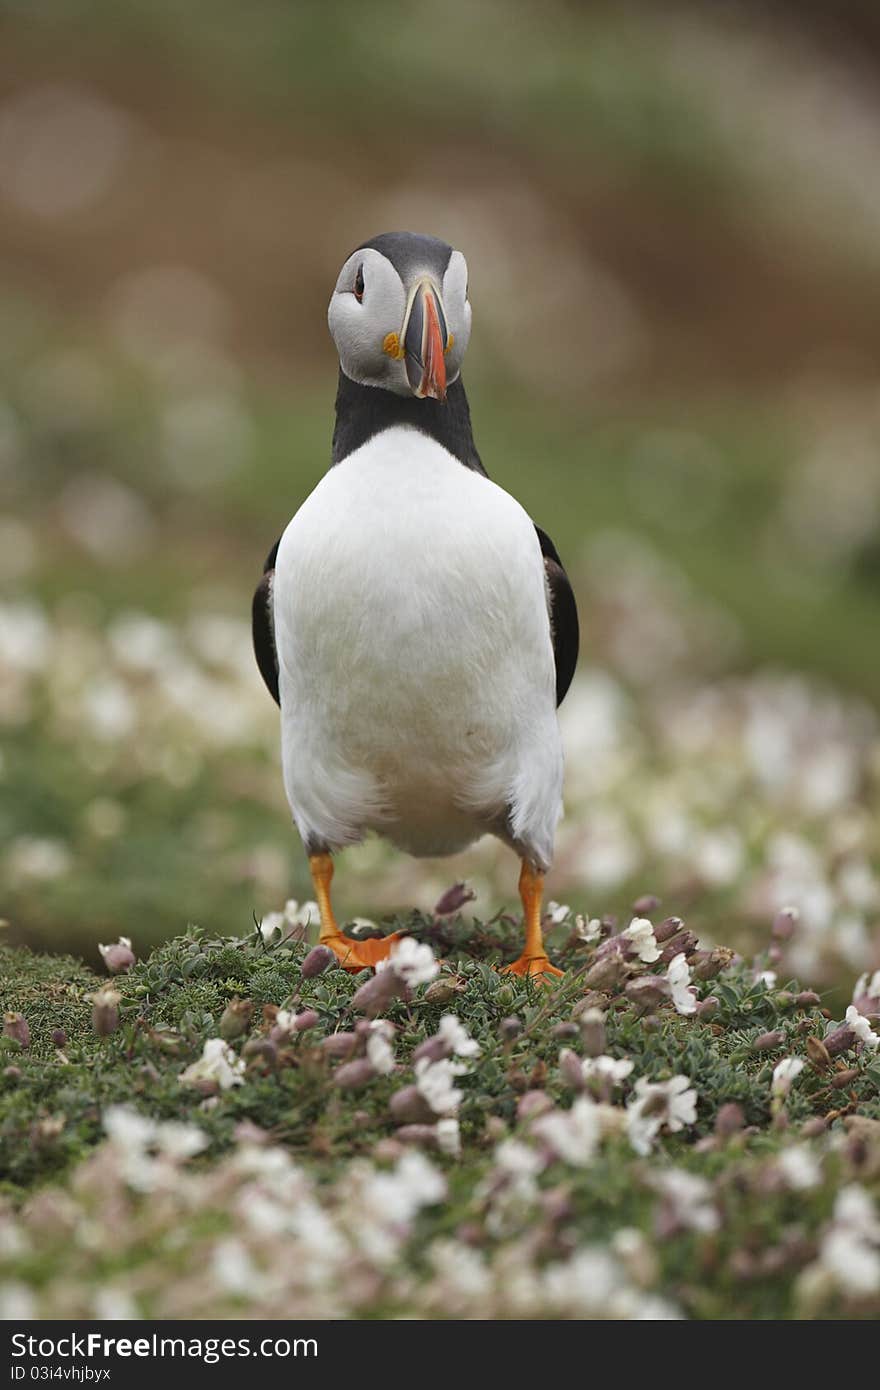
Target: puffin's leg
[(352, 955), (533, 960)]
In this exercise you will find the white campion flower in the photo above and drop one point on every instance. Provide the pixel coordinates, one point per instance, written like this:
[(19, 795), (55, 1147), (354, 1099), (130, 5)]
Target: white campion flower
[(448, 1135), (641, 933), (868, 987), (848, 1251), (573, 1135), (301, 914), (587, 929), (412, 960), (688, 1199), (678, 973), (380, 1053), (270, 924), (612, 1070), (784, 1074), (395, 1198), (457, 1037), (556, 913), (767, 978), (862, 1028), (435, 1080), (218, 1066), (128, 1130), (656, 1105), (799, 1168)]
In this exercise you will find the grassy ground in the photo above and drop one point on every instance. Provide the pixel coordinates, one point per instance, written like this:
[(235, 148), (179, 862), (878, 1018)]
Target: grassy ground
[(300, 1180)]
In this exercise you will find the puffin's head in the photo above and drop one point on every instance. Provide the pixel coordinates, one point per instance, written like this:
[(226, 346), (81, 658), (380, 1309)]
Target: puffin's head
[(400, 316)]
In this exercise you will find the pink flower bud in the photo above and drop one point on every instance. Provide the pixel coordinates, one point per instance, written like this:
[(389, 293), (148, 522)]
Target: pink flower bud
[(593, 1034), (309, 1018), (105, 1011), (647, 992), (784, 923), (15, 1027), (729, 1120), (12, 1073), (570, 1069), (316, 962), (340, 1044), (814, 1126), (417, 1134), (119, 957), (840, 1040), (844, 1078), (667, 928), (510, 1028), (564, 1030), (807, 999), (435, 1049), (409, 1107), (645, 905), (532, 1104), (378, 993), (354, 1076), (768, 1042), (707, 1007), (453, 900), (59, 1037), (683, 941), (606, 972), (708, 964)]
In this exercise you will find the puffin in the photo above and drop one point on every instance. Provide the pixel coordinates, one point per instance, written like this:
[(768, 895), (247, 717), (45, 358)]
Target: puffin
[(415, 626)]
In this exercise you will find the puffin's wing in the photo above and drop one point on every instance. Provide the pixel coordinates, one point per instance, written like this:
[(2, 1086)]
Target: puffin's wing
[(563, 616), (264, 628)]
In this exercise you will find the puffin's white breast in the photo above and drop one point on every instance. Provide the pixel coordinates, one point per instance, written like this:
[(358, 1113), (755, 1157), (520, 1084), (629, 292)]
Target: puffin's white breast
[(416, 666)]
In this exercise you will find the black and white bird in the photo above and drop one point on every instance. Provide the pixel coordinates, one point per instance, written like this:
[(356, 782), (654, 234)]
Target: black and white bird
[(416, 628)]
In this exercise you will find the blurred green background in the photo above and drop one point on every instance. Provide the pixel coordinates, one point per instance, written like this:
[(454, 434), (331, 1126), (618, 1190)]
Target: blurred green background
[(671, 216)]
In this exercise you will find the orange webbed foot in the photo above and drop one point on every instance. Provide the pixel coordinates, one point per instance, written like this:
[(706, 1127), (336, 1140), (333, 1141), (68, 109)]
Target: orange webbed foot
[(360, 955), (537, 968)]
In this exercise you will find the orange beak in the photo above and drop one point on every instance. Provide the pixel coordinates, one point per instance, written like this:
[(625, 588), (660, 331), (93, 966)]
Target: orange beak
[(425, 341)]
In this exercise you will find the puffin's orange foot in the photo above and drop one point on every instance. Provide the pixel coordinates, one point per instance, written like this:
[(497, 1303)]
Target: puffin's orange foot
[(537, 967), (360, 955)]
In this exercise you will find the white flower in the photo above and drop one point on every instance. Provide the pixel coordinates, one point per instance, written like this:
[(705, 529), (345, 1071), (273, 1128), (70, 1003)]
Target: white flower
[(574, 1134), (862, 1028), (513, 1159), (784, 1073), (435, 1082), (413, 961), (128, 1130), (614, 1070), (853, 1264), (456, 1037), (767, 978), (300, 915), (671, 1104), (270, 924), (688, 1198), (557, 912), (799, 1168), (448, 1136), (380, 1053), (848, 1249), (868, 987), (459, 1269), (641, 933), (217, 1066), (395, 1198), (587, 929), (678, 973)]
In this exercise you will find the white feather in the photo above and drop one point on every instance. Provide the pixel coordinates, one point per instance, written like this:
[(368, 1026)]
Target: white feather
[(417, 676)]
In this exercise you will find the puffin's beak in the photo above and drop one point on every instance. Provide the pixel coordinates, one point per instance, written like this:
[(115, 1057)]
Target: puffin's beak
[(425, 341)]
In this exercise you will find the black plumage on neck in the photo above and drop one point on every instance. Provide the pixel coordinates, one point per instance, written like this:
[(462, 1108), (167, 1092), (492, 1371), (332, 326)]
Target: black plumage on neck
[(365, 411)]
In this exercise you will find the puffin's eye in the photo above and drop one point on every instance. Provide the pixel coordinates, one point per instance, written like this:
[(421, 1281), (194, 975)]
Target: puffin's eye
[(359, 285)]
